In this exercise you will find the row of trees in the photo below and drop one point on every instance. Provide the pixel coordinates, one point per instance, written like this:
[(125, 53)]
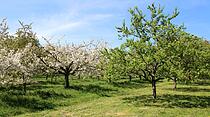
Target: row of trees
[(22, 57), (156, 49)]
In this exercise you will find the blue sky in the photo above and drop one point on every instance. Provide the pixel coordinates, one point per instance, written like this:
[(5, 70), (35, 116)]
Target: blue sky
[(83, 20)]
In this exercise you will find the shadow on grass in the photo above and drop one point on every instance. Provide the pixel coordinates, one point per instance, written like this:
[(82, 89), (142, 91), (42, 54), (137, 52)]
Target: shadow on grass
[(51, 94), (32, 87), (31, 103), (43, 85), (133, 84), (203, 83), (101, 91), (190, 89), (45, 82), (39, 86), (170, 101)]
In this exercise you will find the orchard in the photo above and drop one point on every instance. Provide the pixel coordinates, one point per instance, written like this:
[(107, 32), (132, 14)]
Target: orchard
[(156, 59)]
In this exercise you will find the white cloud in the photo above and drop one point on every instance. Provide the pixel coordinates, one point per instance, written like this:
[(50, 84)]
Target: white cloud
[(77, 19), (54, 25)]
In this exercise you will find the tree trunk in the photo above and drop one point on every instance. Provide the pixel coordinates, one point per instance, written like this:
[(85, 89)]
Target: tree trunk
[(56, 79), (140, 77), (46, 77), (51, 80), (66, 81), (130, 78), (175, 80), (24, 85), (154, 89), (109, 80)]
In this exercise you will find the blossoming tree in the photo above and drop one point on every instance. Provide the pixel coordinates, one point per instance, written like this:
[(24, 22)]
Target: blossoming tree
[(70, 59)]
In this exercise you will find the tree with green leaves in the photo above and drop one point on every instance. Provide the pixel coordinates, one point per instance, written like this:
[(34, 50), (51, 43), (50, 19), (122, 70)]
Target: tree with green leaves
[(116, 66), (186, 60), (147, 39)]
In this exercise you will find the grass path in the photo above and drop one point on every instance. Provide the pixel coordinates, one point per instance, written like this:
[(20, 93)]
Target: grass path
[(186, 101)]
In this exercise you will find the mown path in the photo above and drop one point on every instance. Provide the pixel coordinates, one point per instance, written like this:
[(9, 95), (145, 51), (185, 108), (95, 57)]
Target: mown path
[(186, 101)]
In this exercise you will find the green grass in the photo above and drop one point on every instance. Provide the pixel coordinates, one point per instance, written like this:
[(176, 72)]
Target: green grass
[(93, 98)]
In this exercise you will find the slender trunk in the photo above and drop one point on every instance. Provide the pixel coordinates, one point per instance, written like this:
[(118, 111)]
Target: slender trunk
[(56, 79), (66, 81), (130, 78), (24, 87), (154, 88), (140, 77), (46, 77), (109, 80), (79, 77), (24, 84), (51, 80), (175, 80)]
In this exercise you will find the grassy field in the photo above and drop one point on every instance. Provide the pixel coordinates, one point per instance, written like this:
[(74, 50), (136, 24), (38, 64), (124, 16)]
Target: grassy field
[(97, 98)]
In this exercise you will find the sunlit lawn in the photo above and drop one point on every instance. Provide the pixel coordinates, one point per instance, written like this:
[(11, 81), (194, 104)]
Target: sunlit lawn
[(99, 98)]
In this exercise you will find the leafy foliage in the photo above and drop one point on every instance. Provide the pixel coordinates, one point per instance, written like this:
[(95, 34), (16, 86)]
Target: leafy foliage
[(144, 52)]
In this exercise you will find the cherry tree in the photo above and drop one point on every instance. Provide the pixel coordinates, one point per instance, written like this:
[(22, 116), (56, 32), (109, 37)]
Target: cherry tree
[(28, 65), (70, 59), (18, 62), (7, 67), (18, 67)]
